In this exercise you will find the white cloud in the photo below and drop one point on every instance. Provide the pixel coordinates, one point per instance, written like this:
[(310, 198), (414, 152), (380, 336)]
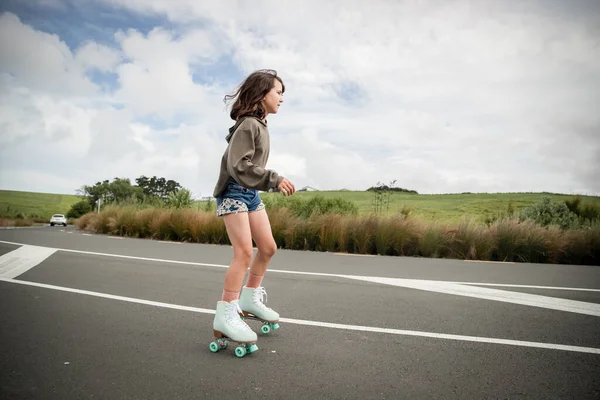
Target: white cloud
[(458, 97), (40, 61), (94, 55), (157, 79)]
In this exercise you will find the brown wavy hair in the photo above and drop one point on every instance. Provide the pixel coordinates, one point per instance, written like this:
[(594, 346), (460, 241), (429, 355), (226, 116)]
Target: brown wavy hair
[(251, 92)]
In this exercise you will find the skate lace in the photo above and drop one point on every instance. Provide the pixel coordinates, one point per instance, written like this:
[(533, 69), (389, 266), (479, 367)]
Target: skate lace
[(259, 294), (233, 316)]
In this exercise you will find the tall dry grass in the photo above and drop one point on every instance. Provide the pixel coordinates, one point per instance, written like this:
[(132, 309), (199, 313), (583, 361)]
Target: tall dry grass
[(17, 222), (504, 240)]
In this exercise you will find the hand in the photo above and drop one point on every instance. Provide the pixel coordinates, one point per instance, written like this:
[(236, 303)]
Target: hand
[(286, 187)]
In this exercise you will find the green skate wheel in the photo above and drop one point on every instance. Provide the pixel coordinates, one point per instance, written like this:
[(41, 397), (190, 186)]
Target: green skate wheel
[(214, 347), (252, 348), (265, 329), (240, 351)]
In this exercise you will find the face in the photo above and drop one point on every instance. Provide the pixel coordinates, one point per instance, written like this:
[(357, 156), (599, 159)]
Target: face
[(273, 99)]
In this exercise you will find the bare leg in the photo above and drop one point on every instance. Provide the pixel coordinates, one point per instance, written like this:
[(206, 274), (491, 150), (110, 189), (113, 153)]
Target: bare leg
[(251, 300), (238, 229), (260, 228)]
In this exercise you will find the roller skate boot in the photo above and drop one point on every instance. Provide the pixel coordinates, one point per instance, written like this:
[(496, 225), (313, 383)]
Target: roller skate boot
[(253, 307), (229, 326)]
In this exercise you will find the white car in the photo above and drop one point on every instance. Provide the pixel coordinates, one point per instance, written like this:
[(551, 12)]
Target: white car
[(58, 219)]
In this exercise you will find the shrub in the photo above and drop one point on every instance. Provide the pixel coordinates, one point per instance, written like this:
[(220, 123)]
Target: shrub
[(104, 222), (528, 242), (434, 242), (78, 209), (86, 221), (583, 245), (180, 199), (590, 212), (397, 235), (145, 221), (464, 240), (585, 212), (23, 222), (331, 232), (573, 205), (508, 239), (362, 233), (548, 213), (405, 240), (124, 222), (280, 219), (384, 236)]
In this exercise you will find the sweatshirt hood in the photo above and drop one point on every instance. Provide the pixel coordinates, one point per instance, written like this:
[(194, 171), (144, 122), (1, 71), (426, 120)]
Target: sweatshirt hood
[(238, 122)]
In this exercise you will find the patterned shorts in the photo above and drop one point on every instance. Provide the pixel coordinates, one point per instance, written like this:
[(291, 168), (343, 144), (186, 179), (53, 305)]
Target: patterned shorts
[(237, 198)]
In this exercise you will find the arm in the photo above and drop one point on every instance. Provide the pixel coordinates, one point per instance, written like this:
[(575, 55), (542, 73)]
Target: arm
[(239, 162)]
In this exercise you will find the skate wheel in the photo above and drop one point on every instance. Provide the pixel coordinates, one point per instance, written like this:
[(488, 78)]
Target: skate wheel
[(240, 351), (265, 329), (214, 347)]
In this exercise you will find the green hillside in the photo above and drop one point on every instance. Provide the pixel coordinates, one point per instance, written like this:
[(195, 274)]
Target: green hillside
[(445, 207), (440, 207), (34, 205)]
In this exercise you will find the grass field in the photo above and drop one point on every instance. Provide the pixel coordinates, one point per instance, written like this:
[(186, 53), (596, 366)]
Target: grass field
[(445, 207), (439, 207), (34, 205)]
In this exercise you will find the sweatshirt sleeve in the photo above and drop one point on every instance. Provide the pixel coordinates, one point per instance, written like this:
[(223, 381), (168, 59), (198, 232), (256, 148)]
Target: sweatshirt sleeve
[(239, 162)]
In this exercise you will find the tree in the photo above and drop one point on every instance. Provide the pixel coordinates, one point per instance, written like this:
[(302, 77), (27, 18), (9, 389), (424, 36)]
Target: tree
[(94, 193), (384, 188), (151, 190), (159, 187), (382, 196), (120, 189)]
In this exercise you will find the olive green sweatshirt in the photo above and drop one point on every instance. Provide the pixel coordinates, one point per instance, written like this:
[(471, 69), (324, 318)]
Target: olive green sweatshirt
[(246, 156)]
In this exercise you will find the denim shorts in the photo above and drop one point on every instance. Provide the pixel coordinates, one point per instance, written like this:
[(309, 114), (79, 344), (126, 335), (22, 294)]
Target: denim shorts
[(237, 198)]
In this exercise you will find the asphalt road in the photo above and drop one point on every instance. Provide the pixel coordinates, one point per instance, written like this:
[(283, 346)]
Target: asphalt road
[(97, 317)]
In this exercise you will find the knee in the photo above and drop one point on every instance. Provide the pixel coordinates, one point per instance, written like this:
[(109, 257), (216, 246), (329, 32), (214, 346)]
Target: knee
[(269, 250), (243, 255)]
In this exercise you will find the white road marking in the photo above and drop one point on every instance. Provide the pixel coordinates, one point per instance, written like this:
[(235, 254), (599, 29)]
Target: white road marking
[(24, 258), (22, 227), (199, 264), (468, 289), (478, 339), (528, 286), (354, 255), (489, 261), (506, 296)]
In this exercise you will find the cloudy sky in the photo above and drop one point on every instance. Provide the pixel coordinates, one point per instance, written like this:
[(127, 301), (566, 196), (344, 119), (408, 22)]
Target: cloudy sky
[(441, 96)]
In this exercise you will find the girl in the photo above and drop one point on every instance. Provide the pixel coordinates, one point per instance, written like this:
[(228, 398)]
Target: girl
[(242, 174)]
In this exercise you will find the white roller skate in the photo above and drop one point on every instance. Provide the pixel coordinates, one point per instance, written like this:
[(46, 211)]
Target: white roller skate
[(253, 307), (229, 326)]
